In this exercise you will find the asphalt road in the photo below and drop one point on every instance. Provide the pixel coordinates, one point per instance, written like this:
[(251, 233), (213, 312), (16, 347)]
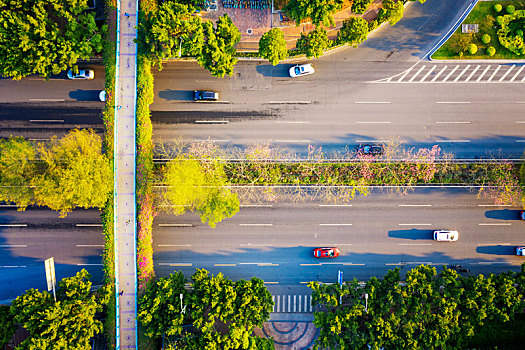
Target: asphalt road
[(28, 238), (374, 234)]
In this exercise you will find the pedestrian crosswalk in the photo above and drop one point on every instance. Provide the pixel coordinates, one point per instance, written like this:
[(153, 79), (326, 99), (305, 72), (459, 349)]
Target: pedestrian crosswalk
[(459, 73), (292, 303)]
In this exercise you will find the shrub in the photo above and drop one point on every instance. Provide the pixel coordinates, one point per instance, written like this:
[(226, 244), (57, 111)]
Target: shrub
[(491, 50), (360, 6), (499, 20), (519, 32), (498, 7), (510, 9), (472, 49), (485, 38)]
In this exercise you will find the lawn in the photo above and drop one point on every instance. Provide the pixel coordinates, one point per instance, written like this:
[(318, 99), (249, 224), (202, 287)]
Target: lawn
[(479, 16)]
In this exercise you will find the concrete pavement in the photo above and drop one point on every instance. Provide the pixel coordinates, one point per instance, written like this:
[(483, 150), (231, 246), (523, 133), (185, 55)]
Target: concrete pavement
[(124, 176)]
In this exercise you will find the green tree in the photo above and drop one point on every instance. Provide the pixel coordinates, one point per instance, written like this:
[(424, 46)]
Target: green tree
[(319, 11), (159, 307), (45, 36), (163, 32), (314, 43), (7, 325), (68, 323), (360, 6), (354, 31), (194, 187), (77, 173), (272, 46), (393, 11), (17, 169), (218, 47), (460, 43)]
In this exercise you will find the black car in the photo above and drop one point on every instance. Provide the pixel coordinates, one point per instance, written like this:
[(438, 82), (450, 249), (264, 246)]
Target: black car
[(373, 150), (202, 95)]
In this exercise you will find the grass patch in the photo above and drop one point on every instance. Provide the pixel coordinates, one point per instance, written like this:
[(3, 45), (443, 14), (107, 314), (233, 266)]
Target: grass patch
[(479, 16)]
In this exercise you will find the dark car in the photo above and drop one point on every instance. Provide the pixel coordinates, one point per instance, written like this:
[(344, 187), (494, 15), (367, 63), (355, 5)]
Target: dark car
[(203, 95), (326, 252), (373, 150)]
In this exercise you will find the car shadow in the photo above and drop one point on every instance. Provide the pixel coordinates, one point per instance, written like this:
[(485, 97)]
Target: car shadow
[(85, 95), (413, 234), (176, 95), (504, 214), (278, 71), (497, 249)]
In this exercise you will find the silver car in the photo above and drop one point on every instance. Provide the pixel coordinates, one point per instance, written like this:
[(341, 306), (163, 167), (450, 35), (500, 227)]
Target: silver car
[(83, 74), (446, 236)]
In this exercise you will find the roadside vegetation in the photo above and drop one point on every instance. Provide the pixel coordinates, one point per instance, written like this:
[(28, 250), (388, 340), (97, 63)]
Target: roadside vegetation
[(46, 37), (428, 310), (213, 312), (500, 35), (67, 323)]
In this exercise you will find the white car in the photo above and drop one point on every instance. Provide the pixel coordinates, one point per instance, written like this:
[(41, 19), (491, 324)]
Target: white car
[(301, 69), (102, 96), (446, 236), (520, 251), (83, 74)]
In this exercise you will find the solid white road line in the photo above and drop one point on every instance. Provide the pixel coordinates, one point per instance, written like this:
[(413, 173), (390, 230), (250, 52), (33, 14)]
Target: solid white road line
[(494, 73), (483, 73), (13, 245), (224, 265), (449, 74), (335, 224), (255, 224), (489, 244), (13, 225), (472, 73), (520, 122), (453, 102), (175, 264), (462, 72), (517, 73), (494, 224), (372, 102), (414, 205), (266, 282), (520, 140), (13, 266), (506, 73), (89, 245), (176, 225), (46, 120), (428, 73), (453, 122), (174, 245), (88, 264), (309, 264), (494, 205), (415, 224), (88, 225)]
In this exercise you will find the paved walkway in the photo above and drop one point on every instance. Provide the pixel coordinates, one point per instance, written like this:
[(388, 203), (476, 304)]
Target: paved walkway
[(124, 172)]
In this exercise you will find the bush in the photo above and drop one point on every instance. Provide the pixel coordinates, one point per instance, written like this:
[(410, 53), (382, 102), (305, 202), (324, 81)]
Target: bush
[(510, 9), (485, 38), (360, 6), (498, 8), (491, 50), (519, 32), (499, 20), (472, 49)]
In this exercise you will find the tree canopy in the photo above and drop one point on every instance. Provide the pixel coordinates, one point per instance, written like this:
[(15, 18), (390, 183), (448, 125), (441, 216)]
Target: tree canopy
[(314, 43), (354, 31), (319, 11), (272, 46), (45, 37)]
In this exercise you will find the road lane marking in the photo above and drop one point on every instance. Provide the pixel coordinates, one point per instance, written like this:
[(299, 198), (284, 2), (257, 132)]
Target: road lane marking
[(520, 122), (226, 141), (404, 75), (517, 73), (494, 224), (291, 102), (494, 205), (309, 264), (428, 73), (483, 73), (174, 245), (89, 264), (415, 224), (9, 206), (493, 74), (13, 225), (439, 73), (372, 102), (417, 73), (449, 74), (88, 225), (13, 245), (256, 205), (370, 141), (414, 205), (89, 245), (335, 224), (256, 225), (490, 263), (506, 73), (256, 245), (489, 244), (414, 244), (351, 264), (260, 264), (456, 122), (292, 122), (47, 100), (453, 102), (464, 141), (46, 120), (175, 264), (473, 72), (13, 266), (520, 140), (399, 263), (335, 205), (266, 282), (292, 141), (176, 225), (212, 121), (225, 265), (462, 72), (369, 122)]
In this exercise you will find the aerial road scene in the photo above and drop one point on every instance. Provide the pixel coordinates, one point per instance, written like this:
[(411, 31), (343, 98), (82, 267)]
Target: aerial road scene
[(262, 174)]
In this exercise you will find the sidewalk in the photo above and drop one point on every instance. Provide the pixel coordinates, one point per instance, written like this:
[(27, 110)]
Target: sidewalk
[(124, 177)]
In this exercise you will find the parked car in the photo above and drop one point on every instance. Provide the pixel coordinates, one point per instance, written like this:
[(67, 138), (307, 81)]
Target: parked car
[(102, 96), (83, 74), (446, 235), (373, 150), (520, 251), (203, 95), (522, 215), (326, 252), (301, 69)]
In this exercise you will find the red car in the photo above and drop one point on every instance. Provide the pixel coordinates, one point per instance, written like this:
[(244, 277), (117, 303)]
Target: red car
[(326, 252)]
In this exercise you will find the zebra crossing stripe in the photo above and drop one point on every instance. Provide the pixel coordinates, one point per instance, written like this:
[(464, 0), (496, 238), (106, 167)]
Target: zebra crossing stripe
[(278, 303), (415, 75), (482, 74), (437, 75), (495, 71), (462, 72), (506, 73), (289, 306), (518, 73), (428, 73), (449, 74), (473, 72)]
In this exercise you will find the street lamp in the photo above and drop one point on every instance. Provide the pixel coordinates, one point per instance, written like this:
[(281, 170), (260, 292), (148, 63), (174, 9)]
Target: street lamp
[(182, 309), (180, 51), (366, 302)]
